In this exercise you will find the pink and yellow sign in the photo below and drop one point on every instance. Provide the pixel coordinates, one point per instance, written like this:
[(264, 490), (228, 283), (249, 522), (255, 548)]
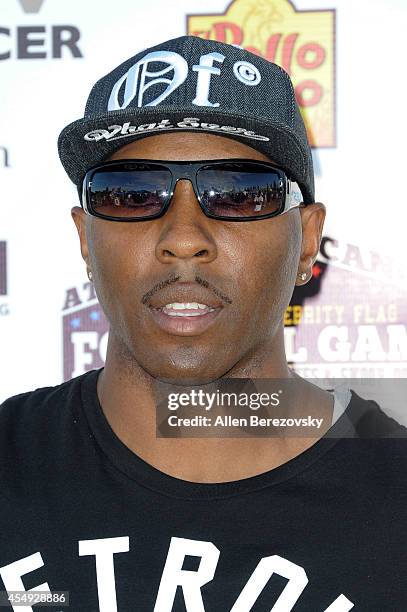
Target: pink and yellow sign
[(301, 42)]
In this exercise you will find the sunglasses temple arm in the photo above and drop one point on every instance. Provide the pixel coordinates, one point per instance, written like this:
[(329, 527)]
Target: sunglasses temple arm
[(293, 197), (84, 198)]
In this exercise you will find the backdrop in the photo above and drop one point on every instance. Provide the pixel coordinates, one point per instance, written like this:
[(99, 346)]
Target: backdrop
[(347, 63)]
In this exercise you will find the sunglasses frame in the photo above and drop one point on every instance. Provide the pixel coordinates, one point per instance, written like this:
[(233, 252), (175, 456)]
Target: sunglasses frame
[(188, 170)]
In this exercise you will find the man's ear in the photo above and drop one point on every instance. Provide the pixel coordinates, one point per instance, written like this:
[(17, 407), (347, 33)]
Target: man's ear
[(79, 217), (312, 219)]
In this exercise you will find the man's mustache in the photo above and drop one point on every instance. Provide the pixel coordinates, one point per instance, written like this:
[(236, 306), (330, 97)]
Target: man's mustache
[(173, 278)]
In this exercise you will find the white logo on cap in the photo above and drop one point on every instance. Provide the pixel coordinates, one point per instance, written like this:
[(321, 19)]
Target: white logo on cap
[(135, 79), (114, 132), (247, 73), (205, 70)]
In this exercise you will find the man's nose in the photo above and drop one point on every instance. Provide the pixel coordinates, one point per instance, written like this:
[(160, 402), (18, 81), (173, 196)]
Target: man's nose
[(185, 230)]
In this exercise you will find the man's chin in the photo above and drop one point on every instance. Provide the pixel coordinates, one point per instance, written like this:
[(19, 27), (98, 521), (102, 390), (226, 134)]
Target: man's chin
[(189, 380)]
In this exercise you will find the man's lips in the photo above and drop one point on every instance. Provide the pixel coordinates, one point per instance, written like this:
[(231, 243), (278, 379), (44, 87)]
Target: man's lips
[(186, 308), (191, 324)]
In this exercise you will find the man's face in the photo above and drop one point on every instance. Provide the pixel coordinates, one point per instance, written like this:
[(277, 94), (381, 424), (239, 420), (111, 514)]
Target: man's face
[(246, 271)]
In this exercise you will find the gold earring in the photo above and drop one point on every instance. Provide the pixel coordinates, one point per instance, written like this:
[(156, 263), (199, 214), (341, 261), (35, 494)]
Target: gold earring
[(302, 276)]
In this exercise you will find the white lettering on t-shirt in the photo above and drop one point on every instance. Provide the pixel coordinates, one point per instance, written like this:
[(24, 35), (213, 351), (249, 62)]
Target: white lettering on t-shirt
[(190, 581), (104, 550), (174, 576), (342, 604), (11, 576), (295, 574)]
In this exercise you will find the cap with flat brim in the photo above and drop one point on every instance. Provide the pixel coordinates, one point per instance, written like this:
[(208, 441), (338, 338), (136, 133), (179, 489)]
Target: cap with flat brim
[(255, 104)]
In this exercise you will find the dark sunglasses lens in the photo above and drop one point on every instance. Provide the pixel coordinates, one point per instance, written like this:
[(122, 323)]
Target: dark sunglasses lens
[(129, 191), (240, 190)]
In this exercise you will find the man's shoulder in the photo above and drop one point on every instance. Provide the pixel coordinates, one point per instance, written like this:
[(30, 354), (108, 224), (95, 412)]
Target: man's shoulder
[(27, 412), (370, 420), (372, 453), (39, 433)]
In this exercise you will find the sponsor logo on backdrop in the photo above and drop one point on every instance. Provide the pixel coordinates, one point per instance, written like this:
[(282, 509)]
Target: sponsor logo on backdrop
[(4, 307), (302, 42), (85, 331), (4, 157), (39, 41), (359, 332)]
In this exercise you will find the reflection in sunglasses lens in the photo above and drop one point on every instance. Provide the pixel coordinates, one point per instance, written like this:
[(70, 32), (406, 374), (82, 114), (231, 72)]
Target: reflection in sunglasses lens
[(232, 190), (139, 192)]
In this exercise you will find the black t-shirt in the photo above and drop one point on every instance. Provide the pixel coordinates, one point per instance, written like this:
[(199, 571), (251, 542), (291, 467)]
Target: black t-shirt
[(80, 512)]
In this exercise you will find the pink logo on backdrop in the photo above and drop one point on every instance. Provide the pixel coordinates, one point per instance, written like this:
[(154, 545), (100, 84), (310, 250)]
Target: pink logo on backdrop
[(85, 332)]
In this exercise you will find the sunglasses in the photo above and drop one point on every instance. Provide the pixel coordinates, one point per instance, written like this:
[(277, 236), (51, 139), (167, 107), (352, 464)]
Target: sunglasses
[(230, 190)]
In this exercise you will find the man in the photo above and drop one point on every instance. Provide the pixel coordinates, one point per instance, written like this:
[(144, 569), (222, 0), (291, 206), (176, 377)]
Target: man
[(194, 281)]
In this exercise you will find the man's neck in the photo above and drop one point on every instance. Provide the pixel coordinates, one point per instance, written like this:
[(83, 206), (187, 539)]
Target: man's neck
[(127, 396)]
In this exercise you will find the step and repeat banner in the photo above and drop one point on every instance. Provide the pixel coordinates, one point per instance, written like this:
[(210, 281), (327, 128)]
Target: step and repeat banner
[(346, 60)]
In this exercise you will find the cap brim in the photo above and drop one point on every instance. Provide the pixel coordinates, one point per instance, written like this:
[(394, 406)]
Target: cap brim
[(86, 142)]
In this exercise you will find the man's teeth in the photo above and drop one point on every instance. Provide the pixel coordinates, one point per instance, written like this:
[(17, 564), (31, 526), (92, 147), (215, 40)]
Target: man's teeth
[(194, 309)]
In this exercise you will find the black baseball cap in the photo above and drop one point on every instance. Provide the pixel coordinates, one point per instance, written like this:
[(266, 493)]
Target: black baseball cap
[(193, 85)]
